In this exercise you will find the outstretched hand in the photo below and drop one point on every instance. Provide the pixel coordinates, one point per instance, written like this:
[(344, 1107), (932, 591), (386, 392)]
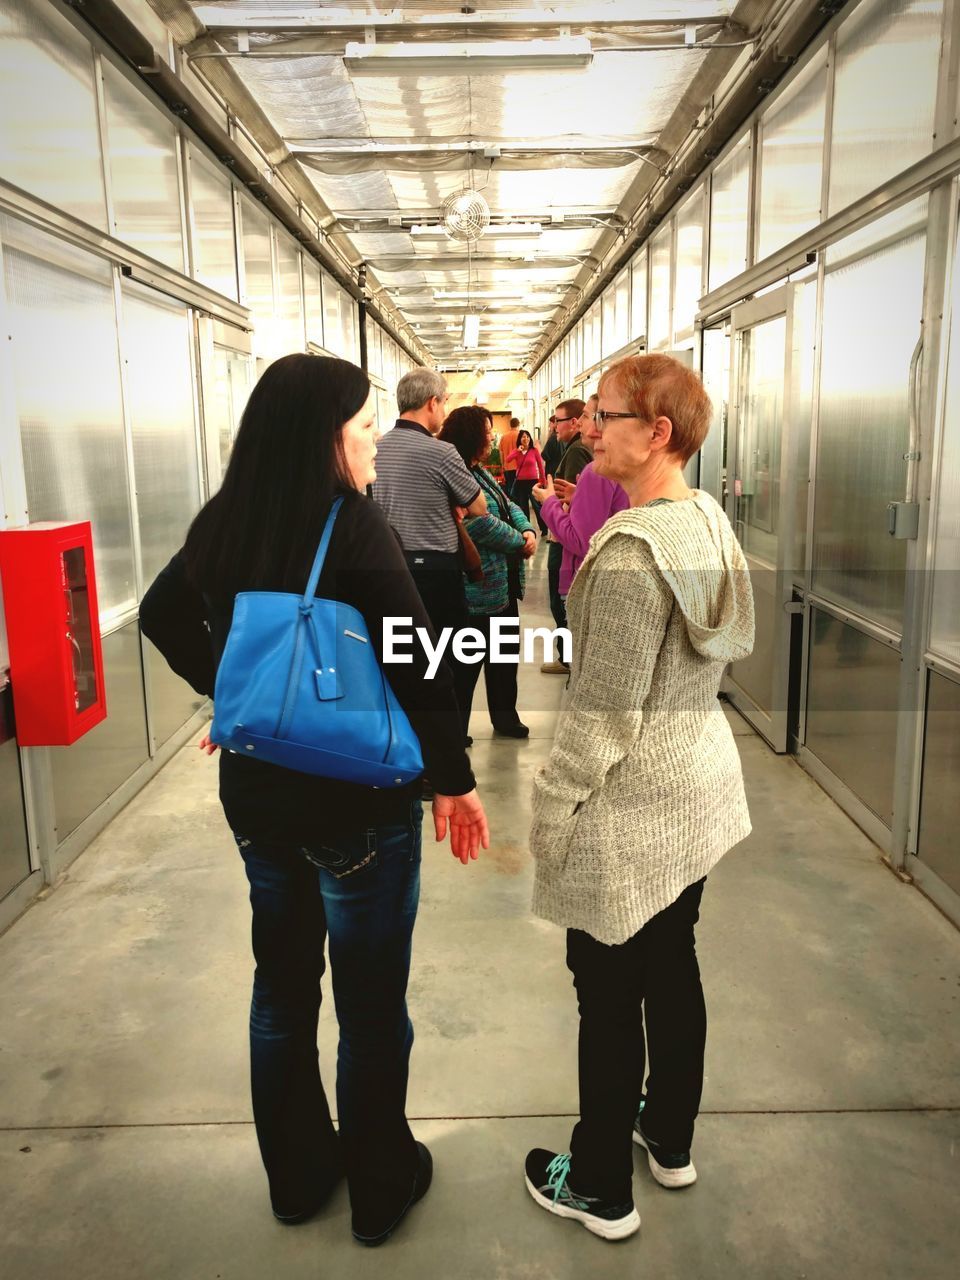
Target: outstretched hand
[(467, 821)]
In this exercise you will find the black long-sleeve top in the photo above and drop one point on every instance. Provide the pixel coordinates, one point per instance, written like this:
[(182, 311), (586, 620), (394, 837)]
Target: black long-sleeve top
[(272, 805)]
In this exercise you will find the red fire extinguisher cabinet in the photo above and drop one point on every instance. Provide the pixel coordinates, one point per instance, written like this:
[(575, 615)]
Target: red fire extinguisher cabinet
[(53, 628)]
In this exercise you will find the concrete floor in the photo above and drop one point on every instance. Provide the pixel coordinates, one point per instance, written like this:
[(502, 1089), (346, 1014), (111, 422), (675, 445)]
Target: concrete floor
[(829, 1143)]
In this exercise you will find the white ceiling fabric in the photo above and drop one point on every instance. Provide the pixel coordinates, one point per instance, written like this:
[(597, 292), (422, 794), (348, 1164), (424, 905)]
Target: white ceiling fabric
[(622, 101)]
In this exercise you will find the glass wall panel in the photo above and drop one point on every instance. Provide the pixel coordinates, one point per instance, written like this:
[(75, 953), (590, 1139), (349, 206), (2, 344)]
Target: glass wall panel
[(332, 322), (791, 160), (945, 620), (638, 299), (258, 276), (214, 252), (290, 304), (940, 801), (375, 350), (661, 246), (729, 207), (157, 338), (688, 277), (172, 701), (67, 387), (14, 849), (49, 134), (852, 709), (313, 299), (888, 53), (144, 180), (864, 396), (233, 382), (715, 365), (85, 774), (591, 336)]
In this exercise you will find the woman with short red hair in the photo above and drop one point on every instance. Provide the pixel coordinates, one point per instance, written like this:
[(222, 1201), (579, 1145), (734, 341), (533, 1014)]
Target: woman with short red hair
[(642, 794)]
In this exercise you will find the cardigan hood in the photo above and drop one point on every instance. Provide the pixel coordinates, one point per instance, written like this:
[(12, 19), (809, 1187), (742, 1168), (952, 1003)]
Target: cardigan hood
[(701, 561)]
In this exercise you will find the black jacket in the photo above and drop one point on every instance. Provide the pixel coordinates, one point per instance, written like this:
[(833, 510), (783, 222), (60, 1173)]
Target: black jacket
[(264, 802)]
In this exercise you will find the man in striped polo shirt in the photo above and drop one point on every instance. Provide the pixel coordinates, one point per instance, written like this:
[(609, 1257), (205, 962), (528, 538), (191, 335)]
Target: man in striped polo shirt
[(419, 482)]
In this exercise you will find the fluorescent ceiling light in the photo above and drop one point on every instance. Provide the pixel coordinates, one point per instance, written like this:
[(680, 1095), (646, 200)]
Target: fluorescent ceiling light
[(506, 230), (468, 57), (471, 331)]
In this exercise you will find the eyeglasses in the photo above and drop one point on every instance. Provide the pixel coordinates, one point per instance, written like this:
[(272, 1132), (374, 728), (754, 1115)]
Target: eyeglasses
[(559, 420), (603, 416)]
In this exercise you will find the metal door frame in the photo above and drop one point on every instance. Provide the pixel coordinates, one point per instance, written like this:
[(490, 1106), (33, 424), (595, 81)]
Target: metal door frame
[(771, 725)]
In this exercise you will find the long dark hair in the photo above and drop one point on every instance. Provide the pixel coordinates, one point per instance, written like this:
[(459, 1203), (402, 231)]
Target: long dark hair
[(520, 435), (466, 429), (260, 530)]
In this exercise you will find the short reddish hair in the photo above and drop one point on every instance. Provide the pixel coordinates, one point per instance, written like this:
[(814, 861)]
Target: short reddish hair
[(662, 387)]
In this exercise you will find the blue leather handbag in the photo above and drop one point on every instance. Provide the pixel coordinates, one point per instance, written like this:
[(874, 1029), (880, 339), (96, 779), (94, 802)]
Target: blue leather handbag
[(300, 685)]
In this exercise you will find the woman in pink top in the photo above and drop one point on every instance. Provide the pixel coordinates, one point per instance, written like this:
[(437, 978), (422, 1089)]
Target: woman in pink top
[(530, 470)]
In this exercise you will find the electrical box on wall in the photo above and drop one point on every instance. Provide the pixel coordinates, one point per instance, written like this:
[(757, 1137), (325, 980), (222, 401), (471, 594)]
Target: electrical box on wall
[(53, 630)]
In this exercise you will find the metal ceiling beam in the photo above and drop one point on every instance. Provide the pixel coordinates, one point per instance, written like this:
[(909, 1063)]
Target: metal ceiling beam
[(232, 19)]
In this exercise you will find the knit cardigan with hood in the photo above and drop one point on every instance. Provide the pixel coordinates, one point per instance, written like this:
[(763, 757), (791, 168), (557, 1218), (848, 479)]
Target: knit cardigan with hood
[(643, 791)]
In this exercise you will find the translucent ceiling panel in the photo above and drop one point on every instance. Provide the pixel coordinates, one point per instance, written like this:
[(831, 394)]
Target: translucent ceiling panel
[(214, 252), (49, 134), (886, 84), (143, 172), (67, 388), (866, 354), (157, 337), (729, 205), (258, 276), (661, 247), (638, 299), (290, 308), (688, 277), (791, 160)]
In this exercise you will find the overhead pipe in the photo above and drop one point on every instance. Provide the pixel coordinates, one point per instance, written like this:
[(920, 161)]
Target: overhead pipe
[(768, 70), (109, 21)]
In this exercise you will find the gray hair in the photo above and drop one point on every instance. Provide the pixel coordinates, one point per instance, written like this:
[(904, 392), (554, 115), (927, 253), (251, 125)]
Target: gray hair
[(416, 387)]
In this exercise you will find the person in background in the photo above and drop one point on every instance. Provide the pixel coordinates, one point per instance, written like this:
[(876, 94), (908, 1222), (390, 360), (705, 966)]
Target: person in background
[(419, 482), (574, 512), (642, 794), (526, 458), (508, 442), (327, 861), (574, 458), (504, 538), (553, 449)]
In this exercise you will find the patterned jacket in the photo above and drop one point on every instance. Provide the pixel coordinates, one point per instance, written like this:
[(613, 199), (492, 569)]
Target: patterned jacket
[(499, 539)]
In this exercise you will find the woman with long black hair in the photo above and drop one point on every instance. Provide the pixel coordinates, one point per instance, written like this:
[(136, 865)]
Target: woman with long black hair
[(326, 860), (526, 457)]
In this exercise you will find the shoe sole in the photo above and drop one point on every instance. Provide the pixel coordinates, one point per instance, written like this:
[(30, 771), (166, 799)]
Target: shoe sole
[(672, 1179), (619, 1229)]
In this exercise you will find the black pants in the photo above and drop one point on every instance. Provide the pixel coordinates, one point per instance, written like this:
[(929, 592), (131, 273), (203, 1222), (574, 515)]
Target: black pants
[(521, 495), (654, 976), (439, 581), (554, 560), (500, 677)]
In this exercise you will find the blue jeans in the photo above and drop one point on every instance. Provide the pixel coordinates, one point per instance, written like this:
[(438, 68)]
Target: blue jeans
[(359, 893)]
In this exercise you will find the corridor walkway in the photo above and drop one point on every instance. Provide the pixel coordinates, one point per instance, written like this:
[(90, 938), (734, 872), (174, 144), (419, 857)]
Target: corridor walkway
[(829, 1145)]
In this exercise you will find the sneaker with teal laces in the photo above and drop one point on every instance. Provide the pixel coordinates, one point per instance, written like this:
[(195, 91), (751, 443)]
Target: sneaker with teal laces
[(547, 1176), (672, 1169)]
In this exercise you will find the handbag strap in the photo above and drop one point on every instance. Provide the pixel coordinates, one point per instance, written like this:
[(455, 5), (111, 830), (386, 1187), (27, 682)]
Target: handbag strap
[(321, 555)]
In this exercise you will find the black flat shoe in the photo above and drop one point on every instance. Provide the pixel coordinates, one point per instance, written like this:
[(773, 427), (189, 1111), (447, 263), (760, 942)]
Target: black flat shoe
[(314, 1206), (517, 730), (421, 1185)]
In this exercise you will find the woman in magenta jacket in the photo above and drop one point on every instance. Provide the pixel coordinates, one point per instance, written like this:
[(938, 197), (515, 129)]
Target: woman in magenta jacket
[(530, 470)]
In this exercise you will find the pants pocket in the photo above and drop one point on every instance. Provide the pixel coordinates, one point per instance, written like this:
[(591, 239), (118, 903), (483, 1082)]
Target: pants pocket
[(346, 855)]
